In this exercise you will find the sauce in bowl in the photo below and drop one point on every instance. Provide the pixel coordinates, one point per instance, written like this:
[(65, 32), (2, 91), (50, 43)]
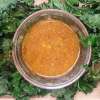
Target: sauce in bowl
[(50, 48)]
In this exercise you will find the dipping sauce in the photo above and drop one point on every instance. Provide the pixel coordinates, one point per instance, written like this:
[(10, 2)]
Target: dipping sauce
[(50, 48)]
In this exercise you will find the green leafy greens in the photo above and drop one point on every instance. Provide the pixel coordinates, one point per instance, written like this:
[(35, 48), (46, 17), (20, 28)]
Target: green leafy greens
[(13, 12)]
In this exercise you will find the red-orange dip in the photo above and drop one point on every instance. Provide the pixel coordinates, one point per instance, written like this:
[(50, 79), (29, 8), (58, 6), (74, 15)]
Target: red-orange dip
[(50, 48)]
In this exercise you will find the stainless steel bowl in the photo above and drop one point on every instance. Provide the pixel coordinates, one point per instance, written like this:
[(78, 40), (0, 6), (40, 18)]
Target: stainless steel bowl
[(45, 82)]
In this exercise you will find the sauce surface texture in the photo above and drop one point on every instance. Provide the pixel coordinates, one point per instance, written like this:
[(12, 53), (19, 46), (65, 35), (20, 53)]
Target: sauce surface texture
[(50, 48)]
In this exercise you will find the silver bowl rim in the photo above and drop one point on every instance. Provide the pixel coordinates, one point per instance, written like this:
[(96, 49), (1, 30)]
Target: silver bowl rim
[(26, 77)]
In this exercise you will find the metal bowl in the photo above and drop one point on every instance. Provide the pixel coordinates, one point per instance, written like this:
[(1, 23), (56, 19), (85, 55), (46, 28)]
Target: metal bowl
[(46, 82)]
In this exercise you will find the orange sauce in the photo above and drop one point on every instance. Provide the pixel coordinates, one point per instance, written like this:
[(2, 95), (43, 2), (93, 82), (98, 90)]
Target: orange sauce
[(50, 48)]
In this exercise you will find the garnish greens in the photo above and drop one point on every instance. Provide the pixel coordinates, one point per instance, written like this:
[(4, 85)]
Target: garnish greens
[(13, 12)]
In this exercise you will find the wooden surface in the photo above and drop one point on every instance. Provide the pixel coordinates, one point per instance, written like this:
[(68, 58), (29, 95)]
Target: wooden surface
[(94, 95)]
